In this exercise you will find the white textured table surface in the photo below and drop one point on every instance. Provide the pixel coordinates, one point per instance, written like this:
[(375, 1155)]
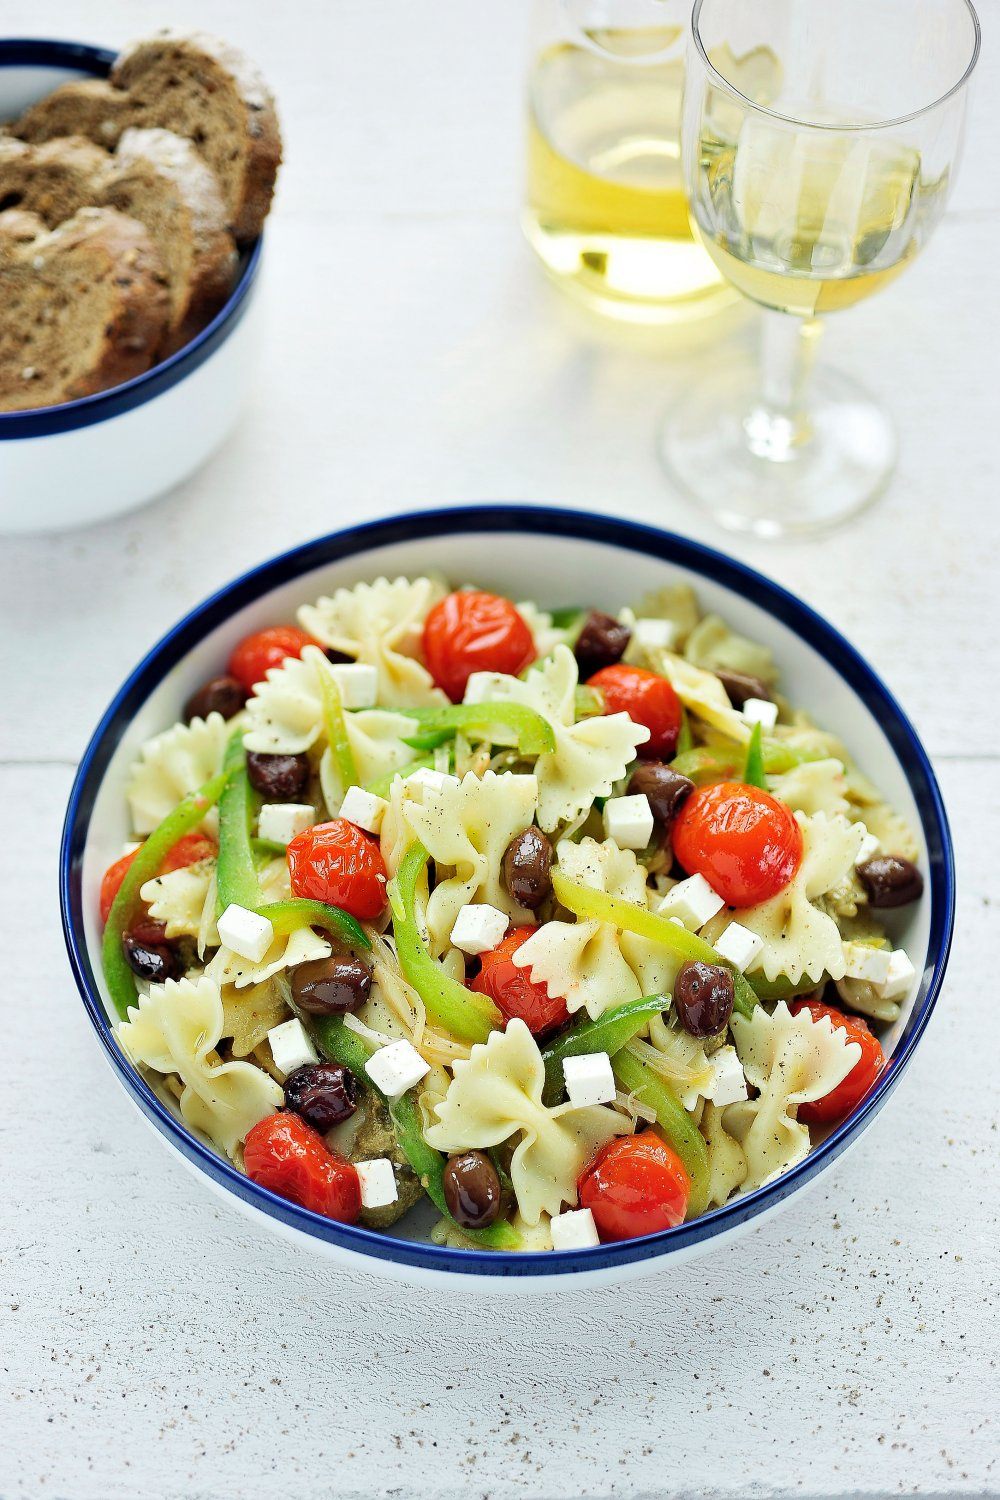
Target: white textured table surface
[(154, 1345)]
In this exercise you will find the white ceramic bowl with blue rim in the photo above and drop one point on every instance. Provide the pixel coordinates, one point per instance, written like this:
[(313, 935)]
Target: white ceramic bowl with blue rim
[(70, 465), (558, 558)]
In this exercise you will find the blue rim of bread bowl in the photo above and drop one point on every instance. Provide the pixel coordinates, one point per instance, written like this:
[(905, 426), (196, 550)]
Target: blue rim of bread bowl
[(44, 421), (527, 519)]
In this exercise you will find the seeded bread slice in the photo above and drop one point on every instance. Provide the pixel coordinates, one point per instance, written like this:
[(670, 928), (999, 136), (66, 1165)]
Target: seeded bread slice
[(193, 85), (84, 306), (155, 177)]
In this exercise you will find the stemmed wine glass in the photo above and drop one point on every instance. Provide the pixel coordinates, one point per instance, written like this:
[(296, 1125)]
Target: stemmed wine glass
[(810, 193)]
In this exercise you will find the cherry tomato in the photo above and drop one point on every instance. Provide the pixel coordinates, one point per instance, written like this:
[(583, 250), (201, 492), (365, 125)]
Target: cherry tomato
[(188, 851), (512, 991), (111, 881), (337, 863), (471, 632), (745, 843), (647, 699), (635, 1185), (840, 1101), (288, 1156), (257, 653)]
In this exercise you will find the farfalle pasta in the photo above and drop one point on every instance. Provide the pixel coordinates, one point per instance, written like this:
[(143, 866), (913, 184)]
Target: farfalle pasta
[(574, 953)]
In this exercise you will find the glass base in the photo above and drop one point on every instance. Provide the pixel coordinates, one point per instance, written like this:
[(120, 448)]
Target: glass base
[(759, 471)]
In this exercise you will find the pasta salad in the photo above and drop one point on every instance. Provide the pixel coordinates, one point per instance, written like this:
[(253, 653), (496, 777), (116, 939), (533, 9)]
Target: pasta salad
[(570, 923)]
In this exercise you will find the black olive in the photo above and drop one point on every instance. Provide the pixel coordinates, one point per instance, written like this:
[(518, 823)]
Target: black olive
[(891, 880), (154, 962), (324, 1094), (471, 1189), (665, 788), (703, 998), (220, 695), (279, 778), (741, 685), (601, 643), (331, 986), (527, 864)]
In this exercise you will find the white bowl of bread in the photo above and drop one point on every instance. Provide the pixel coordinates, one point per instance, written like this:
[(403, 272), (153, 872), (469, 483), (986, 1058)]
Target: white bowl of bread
[(133, 193)]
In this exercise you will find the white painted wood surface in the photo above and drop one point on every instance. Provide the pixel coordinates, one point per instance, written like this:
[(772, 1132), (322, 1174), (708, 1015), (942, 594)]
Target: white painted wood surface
[(154, 1345)]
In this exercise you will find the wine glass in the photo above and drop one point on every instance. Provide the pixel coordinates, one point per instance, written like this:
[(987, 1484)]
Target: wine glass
[(810, 192)]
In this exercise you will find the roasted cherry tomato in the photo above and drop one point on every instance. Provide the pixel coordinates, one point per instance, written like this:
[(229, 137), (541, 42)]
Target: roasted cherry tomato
[(512, 991), (472, 632), (337, 863), (288, 1156), (647, 699), (111, 881), (744, 842), (635, 1185), (840, 1101), (257, 653), (188, 851)]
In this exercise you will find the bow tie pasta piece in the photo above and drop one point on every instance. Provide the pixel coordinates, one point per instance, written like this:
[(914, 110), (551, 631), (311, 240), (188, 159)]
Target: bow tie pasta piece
[(545, 635), (680, 1059), (590, 963), (814, 786), (497, 1093), (173, 764), (589, 757), (701, 693), (799, 939), (176, 1029), (184, 901), (677, 603), (715, 648), (727, 1161), (466, 827), (792, 1060), (249, 1014), (381, 623), (299, 947)]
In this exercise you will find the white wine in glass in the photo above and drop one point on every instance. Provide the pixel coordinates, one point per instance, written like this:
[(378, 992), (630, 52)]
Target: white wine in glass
[(807, 205)]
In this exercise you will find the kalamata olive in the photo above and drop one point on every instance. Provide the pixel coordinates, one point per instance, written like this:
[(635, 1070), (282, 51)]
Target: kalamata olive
[(527, 863), (154, 962), (279, 778), (331, 986), (891, 880), (471, 1189), (339, 658), (324, 1094), (601, 643), (665, 788), (703, 998), (741, 685), (220, 695)]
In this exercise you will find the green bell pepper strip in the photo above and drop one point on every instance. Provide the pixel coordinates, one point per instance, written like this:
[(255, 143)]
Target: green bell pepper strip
[(598, 906), (236, 870), (289, 916), (449, 1004), (608, 1033), (341, 1045), (336, 733), (753, 766), (184, 818), (265, 849), (532, 734), (673, 1119), (381, 785), (685, 739), (714, 763), (588, 703), (570, 619)]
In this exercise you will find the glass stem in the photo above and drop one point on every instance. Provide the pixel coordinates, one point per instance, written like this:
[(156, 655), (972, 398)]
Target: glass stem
[(778, 425)]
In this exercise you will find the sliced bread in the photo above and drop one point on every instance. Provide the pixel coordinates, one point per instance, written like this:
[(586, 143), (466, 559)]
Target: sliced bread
[(85, 306), (194, 85), (157, 178)]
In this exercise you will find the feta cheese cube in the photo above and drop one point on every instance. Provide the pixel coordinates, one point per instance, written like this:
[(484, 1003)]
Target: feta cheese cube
[(589, 1079), (435, 781), (899, 980), (729, 1085), (283, 821), (761, 711), (246, 933), (479, 927), (291, 1047), (363, 809), (629, 821), (864, 962), (378, 1182), (396, 1068), (649, 632), (739, 946), (870, 846), (574, 1230), (693, 902), (357, 684)]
